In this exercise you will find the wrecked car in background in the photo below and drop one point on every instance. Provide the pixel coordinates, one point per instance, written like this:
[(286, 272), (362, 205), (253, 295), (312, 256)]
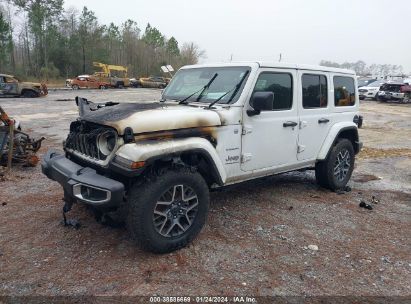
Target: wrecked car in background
[(152, 164), (88, 82), (11, 86), (394, 92), (150, 82), (20, 146)]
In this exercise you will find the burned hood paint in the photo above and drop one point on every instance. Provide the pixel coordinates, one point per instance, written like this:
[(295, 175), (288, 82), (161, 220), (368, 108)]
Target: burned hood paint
[(150, 117)]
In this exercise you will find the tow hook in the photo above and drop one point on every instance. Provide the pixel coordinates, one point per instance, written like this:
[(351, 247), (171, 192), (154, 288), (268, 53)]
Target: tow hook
[(68, 203)]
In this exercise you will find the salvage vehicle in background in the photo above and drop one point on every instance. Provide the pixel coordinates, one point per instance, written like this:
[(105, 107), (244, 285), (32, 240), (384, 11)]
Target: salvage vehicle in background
[(394, 91), (115, 75), (370, 90), (16, 144), (153, 164), (150, 82), (407, 92), (11, 86), (88, 82)]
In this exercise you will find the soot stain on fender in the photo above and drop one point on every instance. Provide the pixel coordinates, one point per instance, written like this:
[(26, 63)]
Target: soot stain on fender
[(210, 133)]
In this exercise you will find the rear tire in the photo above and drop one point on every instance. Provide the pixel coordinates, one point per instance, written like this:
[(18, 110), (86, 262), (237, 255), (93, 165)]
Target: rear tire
[(335, 172), (75, 87), (167, 212)]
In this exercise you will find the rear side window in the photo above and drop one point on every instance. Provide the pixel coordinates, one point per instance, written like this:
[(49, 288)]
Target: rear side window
[(314, 91), (344, 91), (281, 84)]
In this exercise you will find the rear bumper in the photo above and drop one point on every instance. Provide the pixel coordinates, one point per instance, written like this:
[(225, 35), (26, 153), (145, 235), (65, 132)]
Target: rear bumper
[(83, 184)]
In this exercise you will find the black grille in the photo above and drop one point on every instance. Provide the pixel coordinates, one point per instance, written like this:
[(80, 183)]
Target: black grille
[(83, 138)]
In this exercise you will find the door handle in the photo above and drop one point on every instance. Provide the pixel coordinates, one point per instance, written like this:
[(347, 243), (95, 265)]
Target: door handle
[(323, 120), (290, 124)]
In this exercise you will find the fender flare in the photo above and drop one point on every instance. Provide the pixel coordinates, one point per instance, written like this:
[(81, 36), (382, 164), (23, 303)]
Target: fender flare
[(333, 135), (151, 150)]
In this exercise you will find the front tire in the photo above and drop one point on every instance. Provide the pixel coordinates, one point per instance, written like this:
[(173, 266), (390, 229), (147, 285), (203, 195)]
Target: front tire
[(335, 172), (168, 211), (29, 94)]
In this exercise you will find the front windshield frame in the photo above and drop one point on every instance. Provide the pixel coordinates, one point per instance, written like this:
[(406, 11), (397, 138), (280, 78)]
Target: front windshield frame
[(208, 96)]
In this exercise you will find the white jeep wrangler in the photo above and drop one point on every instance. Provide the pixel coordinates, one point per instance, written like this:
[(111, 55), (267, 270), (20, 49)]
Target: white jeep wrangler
[(215, 125)]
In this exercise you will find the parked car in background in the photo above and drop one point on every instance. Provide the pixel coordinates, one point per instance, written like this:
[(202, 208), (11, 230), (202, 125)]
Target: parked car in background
[(88, 82), (11, 86), (395, 91), (150, 82), (370, 90), (365, 81)]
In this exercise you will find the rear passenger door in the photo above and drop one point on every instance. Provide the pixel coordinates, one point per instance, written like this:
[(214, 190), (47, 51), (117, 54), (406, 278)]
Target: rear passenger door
[(314, 113)]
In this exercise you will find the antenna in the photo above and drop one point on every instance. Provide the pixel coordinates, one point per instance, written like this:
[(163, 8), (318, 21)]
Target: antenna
[(231, 58), (281, 56)]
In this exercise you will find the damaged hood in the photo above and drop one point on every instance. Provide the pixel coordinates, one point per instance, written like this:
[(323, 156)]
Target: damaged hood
[(146, 117)]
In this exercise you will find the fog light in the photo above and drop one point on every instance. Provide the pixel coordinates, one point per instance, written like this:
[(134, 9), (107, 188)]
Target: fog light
[(91, 194)]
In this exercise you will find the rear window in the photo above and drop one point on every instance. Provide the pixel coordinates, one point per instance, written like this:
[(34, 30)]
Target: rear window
[(391, 87), (344, 91)]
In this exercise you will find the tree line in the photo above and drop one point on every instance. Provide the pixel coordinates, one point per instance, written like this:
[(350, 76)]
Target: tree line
[(39, 38), (362, 69)]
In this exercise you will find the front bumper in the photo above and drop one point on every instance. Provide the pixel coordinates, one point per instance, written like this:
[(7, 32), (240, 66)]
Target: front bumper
[(83, 184), (367, 94)]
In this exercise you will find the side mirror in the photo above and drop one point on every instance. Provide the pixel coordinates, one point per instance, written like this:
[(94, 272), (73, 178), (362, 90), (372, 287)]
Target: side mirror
[(261, 101)]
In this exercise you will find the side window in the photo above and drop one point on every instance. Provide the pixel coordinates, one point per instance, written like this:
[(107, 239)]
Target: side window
[(314, 91), (344, 91), (10, 80), (281, 84)]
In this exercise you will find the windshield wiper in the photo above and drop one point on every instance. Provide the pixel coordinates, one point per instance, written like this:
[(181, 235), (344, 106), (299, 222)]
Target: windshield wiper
[(202, 90), (234, 90)]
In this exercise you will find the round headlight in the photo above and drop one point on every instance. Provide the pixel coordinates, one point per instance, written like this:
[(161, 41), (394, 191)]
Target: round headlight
[(106, 142)]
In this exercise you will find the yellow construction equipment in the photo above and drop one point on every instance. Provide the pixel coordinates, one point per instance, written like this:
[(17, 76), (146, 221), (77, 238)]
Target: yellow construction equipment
[(117, 80)]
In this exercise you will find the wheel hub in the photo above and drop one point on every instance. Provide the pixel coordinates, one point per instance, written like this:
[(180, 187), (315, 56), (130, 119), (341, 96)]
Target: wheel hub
[(175, 211), (342, 165)]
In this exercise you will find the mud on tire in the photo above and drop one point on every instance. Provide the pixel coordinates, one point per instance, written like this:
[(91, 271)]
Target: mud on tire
[(167, 212)]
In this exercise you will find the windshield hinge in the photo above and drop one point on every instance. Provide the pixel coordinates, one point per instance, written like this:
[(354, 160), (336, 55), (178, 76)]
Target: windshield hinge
[(247, 130)]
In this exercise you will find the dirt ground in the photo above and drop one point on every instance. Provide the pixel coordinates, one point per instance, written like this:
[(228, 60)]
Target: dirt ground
[(257, 238)]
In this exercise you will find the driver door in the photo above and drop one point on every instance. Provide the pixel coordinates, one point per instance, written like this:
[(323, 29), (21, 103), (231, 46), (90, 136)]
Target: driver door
[(9, 86), (2, 85), (270, 138)]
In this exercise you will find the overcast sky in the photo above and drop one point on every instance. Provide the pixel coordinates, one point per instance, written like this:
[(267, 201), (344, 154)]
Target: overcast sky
[(304, 31)]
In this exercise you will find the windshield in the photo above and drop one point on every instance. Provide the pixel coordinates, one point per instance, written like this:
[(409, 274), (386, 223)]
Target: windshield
[(364, 82), (377, 83), (188, 81)]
